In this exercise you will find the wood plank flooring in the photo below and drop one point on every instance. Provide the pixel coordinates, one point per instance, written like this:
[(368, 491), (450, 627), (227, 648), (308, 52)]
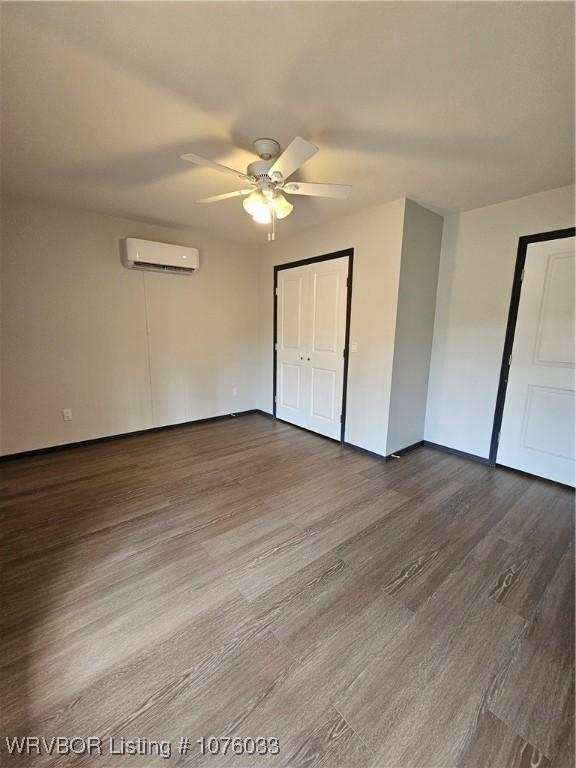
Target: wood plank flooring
[(245, 578)]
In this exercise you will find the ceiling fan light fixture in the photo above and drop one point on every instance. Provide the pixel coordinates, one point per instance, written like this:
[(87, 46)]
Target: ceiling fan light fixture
[(282, 207), (255, 203), (263, 216)]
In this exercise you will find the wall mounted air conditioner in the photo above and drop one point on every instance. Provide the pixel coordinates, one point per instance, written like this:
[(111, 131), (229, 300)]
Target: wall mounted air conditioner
[(159, 257)]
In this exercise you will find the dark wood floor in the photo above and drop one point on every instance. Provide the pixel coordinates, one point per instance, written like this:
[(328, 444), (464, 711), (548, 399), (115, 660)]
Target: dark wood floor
[(246, 578)]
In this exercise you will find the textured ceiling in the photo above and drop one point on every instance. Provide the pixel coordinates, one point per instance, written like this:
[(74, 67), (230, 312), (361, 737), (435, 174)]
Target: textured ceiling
[(455, 105)]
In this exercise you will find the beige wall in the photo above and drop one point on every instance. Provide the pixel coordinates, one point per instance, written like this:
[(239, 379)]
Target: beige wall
[(414, 326), (376, 236), (123, 349), (475, 281), (127, 350)]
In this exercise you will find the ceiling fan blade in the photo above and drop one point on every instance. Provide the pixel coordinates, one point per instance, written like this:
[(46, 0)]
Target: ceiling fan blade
[(317, 190), (295, 155), (225, 196), (192, 158)]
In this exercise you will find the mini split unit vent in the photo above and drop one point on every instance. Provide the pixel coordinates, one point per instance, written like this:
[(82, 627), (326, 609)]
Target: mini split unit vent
[(159, 257)]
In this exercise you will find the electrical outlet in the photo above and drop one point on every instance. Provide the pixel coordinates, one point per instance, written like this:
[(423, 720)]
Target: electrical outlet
[(353, 346), (67, 414), (234, 391)]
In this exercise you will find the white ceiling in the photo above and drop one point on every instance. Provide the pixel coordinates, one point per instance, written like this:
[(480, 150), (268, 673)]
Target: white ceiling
[(454, 104)]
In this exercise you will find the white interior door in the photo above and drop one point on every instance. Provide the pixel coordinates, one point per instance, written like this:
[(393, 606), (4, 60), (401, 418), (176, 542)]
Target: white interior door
[(326, 341), (537, 433), (311, 336), (292, 345)]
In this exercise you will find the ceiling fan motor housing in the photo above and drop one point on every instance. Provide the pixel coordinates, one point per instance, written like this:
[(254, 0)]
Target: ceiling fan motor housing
[(259, 169)]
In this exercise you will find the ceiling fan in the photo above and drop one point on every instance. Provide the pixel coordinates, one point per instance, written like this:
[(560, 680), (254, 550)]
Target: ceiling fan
[(268, 180)]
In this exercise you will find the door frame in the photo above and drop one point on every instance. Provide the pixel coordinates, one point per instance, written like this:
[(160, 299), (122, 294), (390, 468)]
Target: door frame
[(349, 253), (523, 243)]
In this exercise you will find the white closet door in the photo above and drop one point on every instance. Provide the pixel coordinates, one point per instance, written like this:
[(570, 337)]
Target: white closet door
[(311, 335), (326, 339), (537, 433), (292, 339)]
